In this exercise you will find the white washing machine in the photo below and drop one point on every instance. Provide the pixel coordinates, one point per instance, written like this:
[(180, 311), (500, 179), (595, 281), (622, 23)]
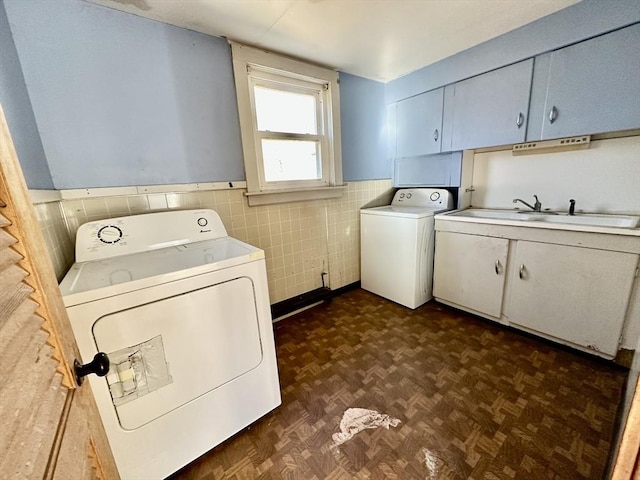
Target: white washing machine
[(397, 245), (182, 312)]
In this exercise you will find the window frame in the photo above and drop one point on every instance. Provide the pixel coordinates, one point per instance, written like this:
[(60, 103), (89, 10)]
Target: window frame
[(259, 77), (252, 67)]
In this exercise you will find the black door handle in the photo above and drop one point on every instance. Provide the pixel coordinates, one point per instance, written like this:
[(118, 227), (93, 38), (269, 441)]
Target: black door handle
[(99, 365)]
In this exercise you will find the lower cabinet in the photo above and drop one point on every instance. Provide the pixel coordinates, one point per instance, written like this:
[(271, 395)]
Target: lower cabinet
[(469, 270), (574, 295)]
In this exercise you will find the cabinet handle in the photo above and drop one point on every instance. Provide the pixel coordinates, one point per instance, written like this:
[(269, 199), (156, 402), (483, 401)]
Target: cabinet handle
[(497, 266), (520, 119), (521, 272), (435, 135), (553, 114)]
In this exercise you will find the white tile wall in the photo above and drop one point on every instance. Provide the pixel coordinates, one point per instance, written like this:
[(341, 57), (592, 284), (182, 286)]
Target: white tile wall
[(301, 240), (56, 236)]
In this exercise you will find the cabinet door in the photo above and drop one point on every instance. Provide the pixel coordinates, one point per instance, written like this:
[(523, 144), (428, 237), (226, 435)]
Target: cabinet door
[(438, 170), (491, 109), (590, 87), (419, 124), (469, 270), (575, 294)]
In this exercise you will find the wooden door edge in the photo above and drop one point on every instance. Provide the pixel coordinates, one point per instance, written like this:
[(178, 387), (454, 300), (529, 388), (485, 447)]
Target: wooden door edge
[(628, 458), (25, 227), (57, 440), (96, 464)]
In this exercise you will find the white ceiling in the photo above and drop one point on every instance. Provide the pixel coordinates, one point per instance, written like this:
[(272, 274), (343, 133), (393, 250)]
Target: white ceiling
[(376, 39)]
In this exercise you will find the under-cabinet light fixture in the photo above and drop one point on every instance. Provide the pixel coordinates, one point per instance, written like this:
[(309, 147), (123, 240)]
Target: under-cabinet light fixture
[(549, 146)]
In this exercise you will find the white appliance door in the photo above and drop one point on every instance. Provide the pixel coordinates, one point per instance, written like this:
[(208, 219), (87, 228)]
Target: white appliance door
[(397, 257), (208, 337)]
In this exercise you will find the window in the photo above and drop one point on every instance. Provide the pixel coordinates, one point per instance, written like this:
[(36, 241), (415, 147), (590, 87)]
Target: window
[(290, 125)]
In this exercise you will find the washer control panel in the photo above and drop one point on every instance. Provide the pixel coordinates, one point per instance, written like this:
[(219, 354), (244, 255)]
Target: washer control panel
[(424, 197), (110, 234), (138, 233)]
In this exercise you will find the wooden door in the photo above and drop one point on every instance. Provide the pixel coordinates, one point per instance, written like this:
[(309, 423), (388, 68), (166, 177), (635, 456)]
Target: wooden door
[(50, 428)]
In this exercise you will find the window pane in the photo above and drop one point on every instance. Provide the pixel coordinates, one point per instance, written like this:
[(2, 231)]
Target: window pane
[(281, 111), (291, 160)]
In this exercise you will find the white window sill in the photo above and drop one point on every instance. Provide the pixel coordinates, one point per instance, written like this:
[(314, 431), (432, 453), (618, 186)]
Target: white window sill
[(294, 195)]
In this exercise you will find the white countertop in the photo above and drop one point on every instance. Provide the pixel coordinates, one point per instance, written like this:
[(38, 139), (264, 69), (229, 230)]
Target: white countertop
[(529, 223)]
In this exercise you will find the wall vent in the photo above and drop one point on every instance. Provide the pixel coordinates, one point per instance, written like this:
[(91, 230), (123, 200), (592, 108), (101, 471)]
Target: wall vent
[(549, 146)]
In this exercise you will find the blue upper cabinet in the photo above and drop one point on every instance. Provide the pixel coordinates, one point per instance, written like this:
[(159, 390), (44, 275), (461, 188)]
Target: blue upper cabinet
[(415, 124), (488, 110), (589, 87), (432, 170), (419, 124)]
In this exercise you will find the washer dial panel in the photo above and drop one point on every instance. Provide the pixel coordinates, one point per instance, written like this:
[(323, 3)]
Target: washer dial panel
[(109, 234), (434, 198), (151, 231)]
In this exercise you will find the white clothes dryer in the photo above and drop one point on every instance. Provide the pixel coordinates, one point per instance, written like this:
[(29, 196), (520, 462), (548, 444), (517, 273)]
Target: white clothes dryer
[(182, 312), (397, 245)]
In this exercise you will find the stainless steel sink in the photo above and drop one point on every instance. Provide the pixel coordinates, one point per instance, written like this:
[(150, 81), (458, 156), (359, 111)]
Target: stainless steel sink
[(587, 219)]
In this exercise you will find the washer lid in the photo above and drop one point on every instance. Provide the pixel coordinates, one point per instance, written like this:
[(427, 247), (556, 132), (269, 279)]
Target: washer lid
[(401, 211), (88, 281)]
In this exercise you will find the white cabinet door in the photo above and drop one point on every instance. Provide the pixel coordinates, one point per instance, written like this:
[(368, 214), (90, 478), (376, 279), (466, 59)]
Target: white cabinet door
[(576, 294), (469, 270)]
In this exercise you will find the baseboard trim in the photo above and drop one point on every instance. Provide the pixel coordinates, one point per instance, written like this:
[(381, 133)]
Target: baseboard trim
[(300, 302)]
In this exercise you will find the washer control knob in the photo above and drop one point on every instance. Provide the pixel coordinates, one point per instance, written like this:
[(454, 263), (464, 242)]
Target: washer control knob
[(434, 196), (110, 234), (203, 222), (402, 195), (409, 195)]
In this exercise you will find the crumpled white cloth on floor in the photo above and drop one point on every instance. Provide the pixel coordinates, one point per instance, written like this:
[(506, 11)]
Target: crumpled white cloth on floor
[(354, 420)]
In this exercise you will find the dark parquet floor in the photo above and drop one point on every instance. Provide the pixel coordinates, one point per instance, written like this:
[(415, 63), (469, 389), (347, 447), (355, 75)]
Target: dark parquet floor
[(474, 400)]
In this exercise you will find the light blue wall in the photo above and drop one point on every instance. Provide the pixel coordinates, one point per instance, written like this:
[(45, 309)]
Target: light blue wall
[(17, 109), (580, 21), (121, 100), (364, 135)]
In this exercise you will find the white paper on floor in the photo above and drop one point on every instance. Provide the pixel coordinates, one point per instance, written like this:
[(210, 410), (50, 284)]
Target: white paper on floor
[(354, 420)]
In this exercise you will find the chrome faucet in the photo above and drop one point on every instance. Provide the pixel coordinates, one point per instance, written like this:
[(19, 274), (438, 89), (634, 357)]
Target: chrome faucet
[(536, 207)]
